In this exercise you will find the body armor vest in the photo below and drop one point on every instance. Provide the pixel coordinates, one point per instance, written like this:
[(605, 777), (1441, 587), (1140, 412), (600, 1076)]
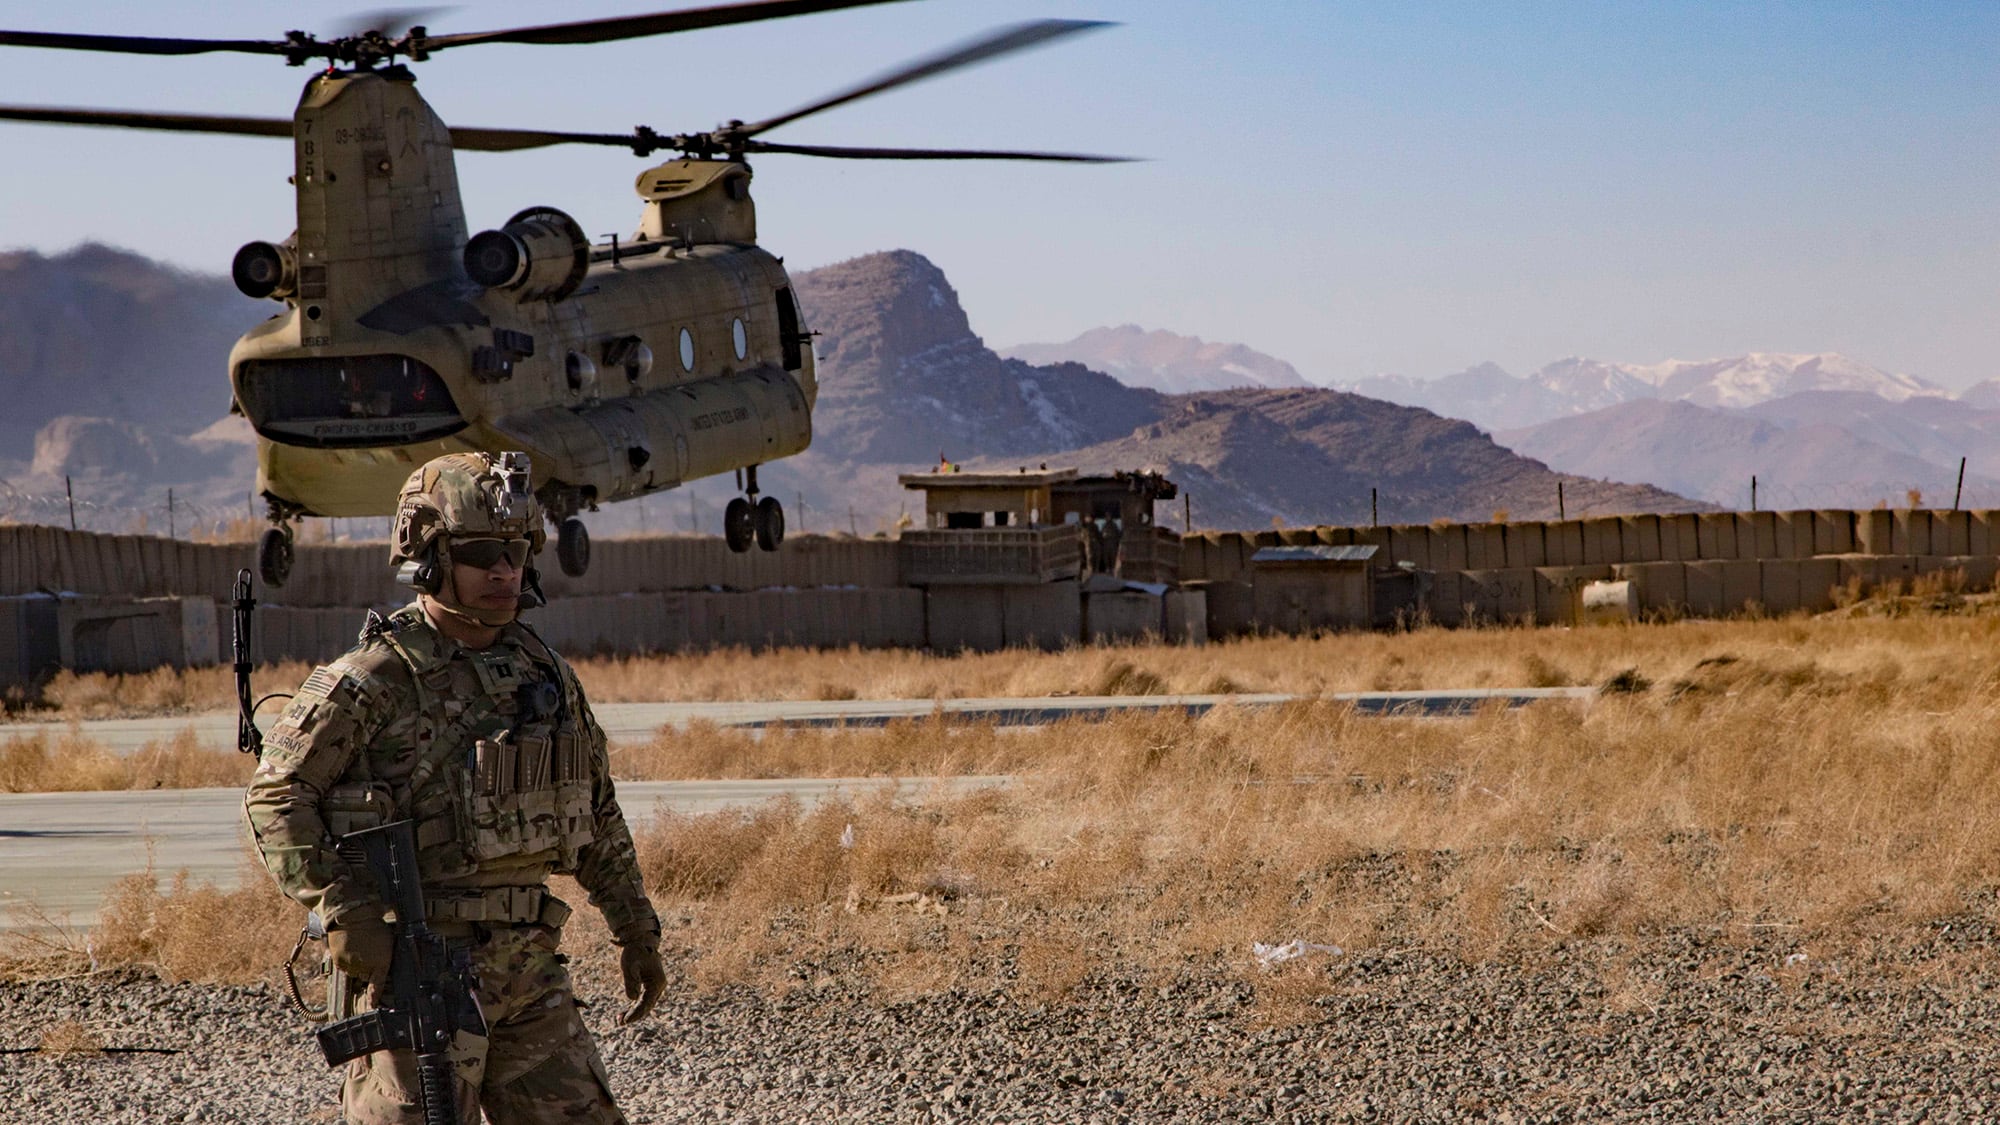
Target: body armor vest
[(503, 773)]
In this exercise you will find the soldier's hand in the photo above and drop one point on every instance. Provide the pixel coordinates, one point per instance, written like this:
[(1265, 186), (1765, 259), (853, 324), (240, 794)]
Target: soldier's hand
[(362, 948), (645, 979)]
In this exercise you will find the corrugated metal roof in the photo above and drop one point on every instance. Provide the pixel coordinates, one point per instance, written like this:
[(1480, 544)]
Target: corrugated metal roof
[(1356, 553)]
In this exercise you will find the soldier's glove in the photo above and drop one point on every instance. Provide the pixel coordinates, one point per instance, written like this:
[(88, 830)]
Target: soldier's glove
[(362, 948), (645, 979)]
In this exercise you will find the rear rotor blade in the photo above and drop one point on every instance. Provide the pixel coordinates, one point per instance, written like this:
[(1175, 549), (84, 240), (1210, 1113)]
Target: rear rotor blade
[(659, 23), (137, 44), (846, 152), (135, 119), (993, 45)]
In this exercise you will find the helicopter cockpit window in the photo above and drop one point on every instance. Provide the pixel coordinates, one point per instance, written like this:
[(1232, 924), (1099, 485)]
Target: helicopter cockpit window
[(334, 402), (687, 350)]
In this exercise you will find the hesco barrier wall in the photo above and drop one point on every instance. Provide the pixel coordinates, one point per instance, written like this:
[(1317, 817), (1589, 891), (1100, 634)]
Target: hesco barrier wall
[(1218, 556), (51, 560), (113, 602)]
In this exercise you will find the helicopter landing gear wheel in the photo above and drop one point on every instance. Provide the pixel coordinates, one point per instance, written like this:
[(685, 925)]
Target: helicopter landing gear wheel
[(770, 523), (274, 556), (573, 547), (739, 525)]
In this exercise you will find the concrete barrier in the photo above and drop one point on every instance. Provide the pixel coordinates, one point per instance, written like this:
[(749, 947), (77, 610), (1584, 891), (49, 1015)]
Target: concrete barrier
[(1704, 588), (1118, 616), (1504, 596), (1757, 535), (1951, 533), (1603, 542), (1661, 588), (1442, 597), (1910, 532), (1833, 531), (1984, 533), (1639, 539), (1715, 535), (1485, 546), (1526, 545), (1874, 532), (1411, 544), (1680, 538), (1232, 607), (1558, 591), (1793, 535), (1819, 577), (1187, 617), (1448, 547), (1563, 541), (1971, 573), (1047, 616), (1778, 585), (965, 619)]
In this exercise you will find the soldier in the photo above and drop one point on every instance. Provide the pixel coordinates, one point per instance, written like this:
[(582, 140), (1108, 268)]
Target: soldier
[(455, 714)]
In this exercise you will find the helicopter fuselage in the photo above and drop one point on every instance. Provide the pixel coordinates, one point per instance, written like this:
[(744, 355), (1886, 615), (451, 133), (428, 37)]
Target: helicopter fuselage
[(621, 369)]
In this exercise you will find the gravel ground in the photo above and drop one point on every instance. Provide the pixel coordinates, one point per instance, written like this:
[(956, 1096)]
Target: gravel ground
[(1686, 1027)]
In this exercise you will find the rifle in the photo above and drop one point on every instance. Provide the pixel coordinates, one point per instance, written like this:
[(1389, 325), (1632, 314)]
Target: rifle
[(430, 990), (248, 739)]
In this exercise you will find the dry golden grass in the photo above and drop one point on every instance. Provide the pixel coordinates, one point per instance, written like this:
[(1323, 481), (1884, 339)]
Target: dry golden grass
[(67, 761), (1744, 795), (187, 931), (1830, 779)]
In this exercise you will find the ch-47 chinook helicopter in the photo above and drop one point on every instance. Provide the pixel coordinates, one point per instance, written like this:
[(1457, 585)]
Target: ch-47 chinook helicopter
[(622, 369)]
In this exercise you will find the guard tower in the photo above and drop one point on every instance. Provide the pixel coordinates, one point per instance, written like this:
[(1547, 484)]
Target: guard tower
[(991, 529), (1116, 515)]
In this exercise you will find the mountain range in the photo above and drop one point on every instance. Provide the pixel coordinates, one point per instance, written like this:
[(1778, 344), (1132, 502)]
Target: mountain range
[(108, 357), (1164, 361), (1492, 398)]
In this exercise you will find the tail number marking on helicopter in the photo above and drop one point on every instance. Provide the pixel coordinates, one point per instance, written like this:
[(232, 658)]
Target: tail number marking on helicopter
[(716, 418)]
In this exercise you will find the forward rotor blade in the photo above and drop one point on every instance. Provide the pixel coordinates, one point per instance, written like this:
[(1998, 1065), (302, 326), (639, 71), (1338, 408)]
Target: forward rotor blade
[(659, 23), (137, 44), (846, 152), (1004, 41), (136, 119), (514, 140)]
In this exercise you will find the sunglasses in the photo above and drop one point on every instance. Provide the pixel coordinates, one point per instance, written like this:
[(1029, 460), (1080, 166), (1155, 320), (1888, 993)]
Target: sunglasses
[(484, 554)]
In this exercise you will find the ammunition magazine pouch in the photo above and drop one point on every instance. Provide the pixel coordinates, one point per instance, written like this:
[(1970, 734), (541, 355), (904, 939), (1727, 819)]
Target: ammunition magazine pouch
[(500, 906)]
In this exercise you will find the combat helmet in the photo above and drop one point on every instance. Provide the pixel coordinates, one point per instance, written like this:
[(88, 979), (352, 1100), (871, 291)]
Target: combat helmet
[(465, 495)]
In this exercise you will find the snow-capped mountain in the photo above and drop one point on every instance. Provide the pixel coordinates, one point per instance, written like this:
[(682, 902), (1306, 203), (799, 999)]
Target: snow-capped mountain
[(1164, 361), (1492, 398)]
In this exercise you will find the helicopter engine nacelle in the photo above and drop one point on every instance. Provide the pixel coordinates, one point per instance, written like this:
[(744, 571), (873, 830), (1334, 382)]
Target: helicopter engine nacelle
[(541, 254), (265, 269)]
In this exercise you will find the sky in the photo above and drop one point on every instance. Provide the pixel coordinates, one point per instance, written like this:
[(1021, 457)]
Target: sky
[(1356, 188)]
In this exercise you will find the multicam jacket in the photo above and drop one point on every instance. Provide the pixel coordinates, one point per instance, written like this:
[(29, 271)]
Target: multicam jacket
[(493, 752)]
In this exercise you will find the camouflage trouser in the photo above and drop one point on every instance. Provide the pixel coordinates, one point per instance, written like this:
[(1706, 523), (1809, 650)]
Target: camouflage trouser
[(537, 1062)]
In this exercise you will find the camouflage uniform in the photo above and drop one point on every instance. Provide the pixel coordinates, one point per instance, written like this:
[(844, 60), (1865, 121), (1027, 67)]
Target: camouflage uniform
[(495, 755)]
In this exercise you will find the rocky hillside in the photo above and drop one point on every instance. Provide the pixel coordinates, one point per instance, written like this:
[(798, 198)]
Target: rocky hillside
[(904, 380), (103, 333)]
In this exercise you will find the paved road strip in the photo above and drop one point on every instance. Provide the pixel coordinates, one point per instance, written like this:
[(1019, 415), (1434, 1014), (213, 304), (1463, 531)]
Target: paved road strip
[(60, 852), (636, 722)]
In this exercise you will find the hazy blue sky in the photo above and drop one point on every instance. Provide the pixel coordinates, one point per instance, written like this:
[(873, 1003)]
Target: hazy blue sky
[(1356, 188)]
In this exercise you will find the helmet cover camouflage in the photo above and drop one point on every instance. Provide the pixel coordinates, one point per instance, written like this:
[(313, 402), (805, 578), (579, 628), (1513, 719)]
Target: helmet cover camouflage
[(467, 495)]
